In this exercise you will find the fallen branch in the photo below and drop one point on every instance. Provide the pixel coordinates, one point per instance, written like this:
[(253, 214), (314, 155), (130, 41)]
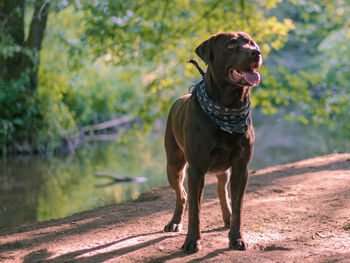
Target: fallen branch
[(108, 124), (76, 139), (103, 137), (121, 178)]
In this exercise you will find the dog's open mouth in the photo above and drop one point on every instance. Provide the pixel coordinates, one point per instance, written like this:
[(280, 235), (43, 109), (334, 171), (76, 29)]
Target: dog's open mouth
[(248, 75)]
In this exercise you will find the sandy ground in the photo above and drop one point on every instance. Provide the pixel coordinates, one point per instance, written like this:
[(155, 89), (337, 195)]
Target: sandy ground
[(299, 212)]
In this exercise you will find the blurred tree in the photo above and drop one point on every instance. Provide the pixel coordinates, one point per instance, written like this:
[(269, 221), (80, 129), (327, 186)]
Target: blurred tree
[(22, 53), (149, 41), (19, 61), (103, 59), (160, 36), (312, 68)]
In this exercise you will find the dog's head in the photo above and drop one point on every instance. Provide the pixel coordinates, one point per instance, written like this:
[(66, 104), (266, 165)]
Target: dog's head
[(233, 57)]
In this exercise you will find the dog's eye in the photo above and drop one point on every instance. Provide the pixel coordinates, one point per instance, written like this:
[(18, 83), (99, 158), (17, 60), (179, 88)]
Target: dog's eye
[(231, 46), (252, 43)]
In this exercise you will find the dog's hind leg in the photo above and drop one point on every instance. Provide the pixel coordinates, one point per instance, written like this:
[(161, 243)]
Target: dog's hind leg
[(223, 197), (175, 171), (175, 177)]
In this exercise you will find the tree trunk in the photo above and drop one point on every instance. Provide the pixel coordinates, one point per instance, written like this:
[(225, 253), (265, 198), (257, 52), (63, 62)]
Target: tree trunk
[(12, 29), (35, 37), (20, 117)]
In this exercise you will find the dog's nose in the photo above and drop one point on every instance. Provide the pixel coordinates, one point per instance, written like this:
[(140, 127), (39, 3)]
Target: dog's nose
[(254, 53)]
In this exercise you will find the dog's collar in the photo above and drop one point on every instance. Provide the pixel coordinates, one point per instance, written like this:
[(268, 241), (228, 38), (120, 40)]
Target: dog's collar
[(229, 120)]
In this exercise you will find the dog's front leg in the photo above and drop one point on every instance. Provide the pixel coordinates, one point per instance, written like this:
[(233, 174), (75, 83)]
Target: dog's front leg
[(238, 182), (195, 192)]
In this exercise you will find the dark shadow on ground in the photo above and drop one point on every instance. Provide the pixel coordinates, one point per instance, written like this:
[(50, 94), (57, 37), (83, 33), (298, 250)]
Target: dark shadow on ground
[(43, 255)]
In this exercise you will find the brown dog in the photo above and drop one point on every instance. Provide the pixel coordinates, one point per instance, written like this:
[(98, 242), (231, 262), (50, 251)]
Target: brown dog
[(212, 132)]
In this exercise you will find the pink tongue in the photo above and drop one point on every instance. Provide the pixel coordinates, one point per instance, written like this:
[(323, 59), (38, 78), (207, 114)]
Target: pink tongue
[(253, 78)]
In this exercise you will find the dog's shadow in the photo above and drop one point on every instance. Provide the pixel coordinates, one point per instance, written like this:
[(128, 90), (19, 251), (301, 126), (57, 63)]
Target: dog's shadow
[(182, 255), (43, 255)]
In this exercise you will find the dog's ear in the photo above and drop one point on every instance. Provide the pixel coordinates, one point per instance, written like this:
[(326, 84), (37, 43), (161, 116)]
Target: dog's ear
[(204, 49)]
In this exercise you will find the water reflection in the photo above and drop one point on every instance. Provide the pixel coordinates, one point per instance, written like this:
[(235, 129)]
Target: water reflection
[(20, 184), (36, 189)]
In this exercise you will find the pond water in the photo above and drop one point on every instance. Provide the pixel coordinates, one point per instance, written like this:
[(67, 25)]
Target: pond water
[(35, 188)]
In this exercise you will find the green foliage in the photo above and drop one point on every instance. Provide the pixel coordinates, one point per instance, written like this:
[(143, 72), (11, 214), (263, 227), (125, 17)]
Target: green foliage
[(19, 115), (104, 59), (315, 73), (163, 36), (74, 90)]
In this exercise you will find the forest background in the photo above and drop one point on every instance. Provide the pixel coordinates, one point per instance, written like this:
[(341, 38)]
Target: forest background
[(67, 65)]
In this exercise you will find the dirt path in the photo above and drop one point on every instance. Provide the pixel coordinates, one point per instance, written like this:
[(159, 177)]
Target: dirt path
[(298, 212)]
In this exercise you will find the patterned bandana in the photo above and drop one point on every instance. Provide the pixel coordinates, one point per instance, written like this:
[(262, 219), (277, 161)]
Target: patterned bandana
[(229, 120)]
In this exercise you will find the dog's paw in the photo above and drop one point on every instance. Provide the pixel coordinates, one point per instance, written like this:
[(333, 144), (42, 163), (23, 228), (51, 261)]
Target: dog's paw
[(238, 244), (227, 223), (191, 246), (173, 227)]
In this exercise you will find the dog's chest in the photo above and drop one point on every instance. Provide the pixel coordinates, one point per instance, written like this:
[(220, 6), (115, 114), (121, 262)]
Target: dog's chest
[(222, 156)]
